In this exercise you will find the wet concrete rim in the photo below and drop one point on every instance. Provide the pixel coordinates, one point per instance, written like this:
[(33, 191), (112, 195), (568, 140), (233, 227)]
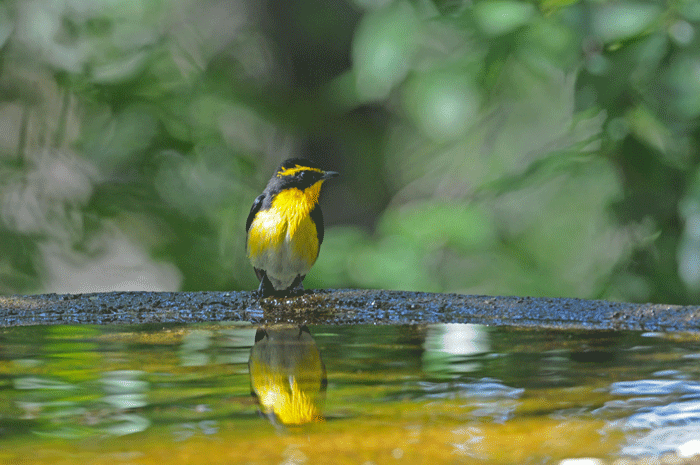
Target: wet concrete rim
[(343, 306)]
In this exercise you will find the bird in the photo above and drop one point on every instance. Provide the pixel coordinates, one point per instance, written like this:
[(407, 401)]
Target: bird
[(284, 229)]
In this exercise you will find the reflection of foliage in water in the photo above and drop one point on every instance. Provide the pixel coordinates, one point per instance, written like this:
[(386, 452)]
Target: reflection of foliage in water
[(514, 148)]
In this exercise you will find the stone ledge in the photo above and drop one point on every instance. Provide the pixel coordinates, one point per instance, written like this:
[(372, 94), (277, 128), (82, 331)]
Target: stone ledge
[(343, 306)]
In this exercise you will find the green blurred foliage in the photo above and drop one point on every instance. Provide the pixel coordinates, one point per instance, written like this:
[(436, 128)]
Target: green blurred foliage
[(499, 146)]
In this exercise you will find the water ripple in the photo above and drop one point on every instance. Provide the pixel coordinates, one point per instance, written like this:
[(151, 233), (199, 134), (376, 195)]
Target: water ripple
[(484, 388), (654, 387), (676, 413), (665, 414)]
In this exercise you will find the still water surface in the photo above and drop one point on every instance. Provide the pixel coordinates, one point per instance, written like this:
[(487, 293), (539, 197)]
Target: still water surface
[(234, 393)]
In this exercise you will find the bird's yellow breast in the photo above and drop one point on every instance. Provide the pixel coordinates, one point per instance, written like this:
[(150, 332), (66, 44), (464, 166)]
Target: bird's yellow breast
[(282, 240)]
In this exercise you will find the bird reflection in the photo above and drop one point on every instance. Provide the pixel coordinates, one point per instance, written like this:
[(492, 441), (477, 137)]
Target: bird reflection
[(287, 375)]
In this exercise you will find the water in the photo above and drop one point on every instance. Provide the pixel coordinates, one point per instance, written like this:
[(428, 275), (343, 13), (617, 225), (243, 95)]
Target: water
[(344, 394)]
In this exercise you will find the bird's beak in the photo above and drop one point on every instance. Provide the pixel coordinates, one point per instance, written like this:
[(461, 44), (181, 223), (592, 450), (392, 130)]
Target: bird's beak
[(329, 174)]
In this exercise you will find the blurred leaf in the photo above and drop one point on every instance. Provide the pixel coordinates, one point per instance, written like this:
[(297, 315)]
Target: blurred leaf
[(195, 185), (622, 20), (392, 262), (438, 224), (690, 9), (113, 140), (498, 17), (681, 32), (688, 255), (443, 103), (554, 5), (648, 128), (332, 269), (6, 24), (451, 7), (383, 49), (117, 70), (648, 55), (549, 41), (684, 76)]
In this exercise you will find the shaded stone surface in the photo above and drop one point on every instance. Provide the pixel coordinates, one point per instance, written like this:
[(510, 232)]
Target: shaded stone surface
[(344, 306)]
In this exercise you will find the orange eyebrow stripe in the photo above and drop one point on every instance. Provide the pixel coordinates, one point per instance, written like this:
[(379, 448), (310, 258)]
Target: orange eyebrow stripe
[(295, 170)]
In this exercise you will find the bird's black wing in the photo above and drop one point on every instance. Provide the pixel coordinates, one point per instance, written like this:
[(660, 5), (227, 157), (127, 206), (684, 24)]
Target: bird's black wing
[(317, 216), (257, 204)]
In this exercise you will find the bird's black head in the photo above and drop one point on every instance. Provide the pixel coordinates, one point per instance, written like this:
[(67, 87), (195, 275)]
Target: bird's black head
[(300, 173)]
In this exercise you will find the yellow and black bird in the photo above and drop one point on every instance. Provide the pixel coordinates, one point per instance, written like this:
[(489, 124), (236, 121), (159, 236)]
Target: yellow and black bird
[(284, 230)]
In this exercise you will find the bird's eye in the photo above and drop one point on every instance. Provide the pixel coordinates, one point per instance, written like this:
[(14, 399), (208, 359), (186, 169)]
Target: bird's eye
[(303, 175)]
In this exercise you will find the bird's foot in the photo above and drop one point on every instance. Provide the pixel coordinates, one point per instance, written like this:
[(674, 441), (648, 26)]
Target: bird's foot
[(266, 289)]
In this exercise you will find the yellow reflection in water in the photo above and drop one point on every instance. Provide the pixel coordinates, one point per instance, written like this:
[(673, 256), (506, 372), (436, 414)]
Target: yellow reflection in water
[(287, 374)]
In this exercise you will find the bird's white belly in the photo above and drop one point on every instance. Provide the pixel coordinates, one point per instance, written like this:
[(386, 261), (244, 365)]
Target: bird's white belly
[(285, 249), (282, 265)]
